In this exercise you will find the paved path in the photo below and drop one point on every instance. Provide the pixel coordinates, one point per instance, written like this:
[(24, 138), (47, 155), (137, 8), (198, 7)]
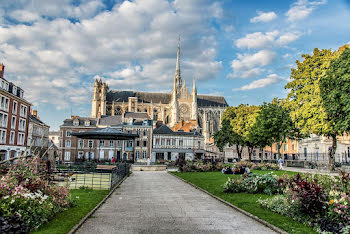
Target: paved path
[(156, 202), (311, 171)]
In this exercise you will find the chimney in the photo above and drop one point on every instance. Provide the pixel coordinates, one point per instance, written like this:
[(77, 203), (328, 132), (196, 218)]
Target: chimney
[(2, 70), (35, 113)]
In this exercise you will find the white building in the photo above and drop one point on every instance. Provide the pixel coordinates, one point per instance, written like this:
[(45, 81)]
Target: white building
[(170, 145)]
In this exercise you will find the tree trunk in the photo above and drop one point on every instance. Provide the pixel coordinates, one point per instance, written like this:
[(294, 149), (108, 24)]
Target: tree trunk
[(331, 154), (239, 152), (250, 151), (279, 150)]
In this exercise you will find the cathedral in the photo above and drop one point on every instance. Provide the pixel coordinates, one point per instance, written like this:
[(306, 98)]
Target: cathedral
[(180, 109)]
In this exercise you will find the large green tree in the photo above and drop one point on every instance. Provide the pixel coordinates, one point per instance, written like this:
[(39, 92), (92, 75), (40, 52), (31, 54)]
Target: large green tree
[(273, 125), (304, 100), (335, 93)]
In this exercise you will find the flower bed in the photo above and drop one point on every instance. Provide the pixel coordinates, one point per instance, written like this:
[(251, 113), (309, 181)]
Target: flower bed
[(320, 201), (27, 194), (199, 166)]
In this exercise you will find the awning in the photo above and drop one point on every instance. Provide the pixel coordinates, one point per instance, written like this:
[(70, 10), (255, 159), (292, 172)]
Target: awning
[(105, 134)]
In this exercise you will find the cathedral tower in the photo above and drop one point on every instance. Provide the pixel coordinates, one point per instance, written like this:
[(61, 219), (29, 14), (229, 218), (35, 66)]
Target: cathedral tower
[(98, 104)]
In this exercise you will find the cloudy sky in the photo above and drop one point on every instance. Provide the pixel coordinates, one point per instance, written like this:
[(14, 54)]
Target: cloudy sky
[(242, 49)]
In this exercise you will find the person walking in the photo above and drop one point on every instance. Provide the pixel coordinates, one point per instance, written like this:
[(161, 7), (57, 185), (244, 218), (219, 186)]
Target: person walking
[(281, 163), (113, 160)]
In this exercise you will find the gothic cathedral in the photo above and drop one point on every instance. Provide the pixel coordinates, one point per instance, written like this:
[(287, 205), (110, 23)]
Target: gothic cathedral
[(180, 110)]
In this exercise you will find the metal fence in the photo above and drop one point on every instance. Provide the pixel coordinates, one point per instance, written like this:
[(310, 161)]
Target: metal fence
[(99, 179)]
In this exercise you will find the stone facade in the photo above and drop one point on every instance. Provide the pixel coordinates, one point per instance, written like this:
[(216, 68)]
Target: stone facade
[(170, 145), (204, 112), (38, 135)]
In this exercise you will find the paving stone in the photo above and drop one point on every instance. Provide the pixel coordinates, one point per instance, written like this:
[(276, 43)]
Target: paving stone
[(156, 202)]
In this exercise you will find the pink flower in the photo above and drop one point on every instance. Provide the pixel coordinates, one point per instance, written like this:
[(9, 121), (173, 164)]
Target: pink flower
[(335, 210)]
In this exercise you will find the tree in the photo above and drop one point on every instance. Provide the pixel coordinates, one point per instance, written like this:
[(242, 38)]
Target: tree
[(335, 93), (304, 99), (242, 125), (273, 125), (226, 135)]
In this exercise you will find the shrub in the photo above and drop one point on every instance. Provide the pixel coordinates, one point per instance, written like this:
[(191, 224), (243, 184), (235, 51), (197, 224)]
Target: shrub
[(12, 224), (27, 191), (267, 184)]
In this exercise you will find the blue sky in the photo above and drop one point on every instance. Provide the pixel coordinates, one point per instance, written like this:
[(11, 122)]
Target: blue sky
[(243, 50)]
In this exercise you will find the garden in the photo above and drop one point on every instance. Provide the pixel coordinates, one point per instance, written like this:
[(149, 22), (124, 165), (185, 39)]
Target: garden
[(296, 203), (32, 202)]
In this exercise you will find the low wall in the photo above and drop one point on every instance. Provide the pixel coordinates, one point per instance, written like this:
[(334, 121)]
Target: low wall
[(148, 167)]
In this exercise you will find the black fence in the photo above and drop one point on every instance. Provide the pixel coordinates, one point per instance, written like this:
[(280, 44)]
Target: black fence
[(76, 177)]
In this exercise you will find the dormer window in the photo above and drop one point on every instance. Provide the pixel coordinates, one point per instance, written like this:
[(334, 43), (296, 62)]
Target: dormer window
[(76, 122), (14, 90), (87, 123)]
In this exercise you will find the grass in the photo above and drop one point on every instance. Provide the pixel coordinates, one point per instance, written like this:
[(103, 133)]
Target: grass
[(213, 183), (63, 222)]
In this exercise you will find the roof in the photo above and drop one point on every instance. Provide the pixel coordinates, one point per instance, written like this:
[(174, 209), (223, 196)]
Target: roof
[(165, 130), (69, 122), (110, 120), (105, 134), (34, 119), (136, 115), (165, 98)]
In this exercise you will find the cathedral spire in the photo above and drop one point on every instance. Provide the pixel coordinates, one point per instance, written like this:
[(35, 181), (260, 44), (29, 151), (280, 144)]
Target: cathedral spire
[(194, 89), (177, 79)]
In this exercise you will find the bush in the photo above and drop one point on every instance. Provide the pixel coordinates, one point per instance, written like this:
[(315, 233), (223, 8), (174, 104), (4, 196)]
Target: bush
[(252, 183), (12, 224), (27, 191)]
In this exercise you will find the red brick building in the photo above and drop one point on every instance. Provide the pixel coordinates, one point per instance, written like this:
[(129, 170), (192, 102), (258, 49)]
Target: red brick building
[(14, 118)]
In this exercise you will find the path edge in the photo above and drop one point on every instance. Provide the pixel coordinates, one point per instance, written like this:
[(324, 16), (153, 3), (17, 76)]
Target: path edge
[(83, 220), (269, 225)]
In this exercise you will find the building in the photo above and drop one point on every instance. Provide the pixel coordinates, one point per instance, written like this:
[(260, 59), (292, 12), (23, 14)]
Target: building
[(38, 135), (54, 137), (202, 111), (74, 149), (14, 118), (170, 145)]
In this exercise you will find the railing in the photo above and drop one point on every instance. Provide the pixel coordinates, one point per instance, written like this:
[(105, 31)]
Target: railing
[(99, 179)]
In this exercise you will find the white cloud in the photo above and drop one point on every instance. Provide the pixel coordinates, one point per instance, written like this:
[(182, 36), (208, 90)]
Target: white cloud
[(264, 17), (249, 65), (257, 40), (24, 16), (302, 9), (54, 60), (271, 79)]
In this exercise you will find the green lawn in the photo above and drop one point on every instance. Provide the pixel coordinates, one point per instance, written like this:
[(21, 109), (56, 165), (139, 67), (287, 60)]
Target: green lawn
[(213, 183), (63, 222)]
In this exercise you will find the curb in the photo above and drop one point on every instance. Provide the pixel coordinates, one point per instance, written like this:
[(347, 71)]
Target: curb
[(77, 226), (273, 227)]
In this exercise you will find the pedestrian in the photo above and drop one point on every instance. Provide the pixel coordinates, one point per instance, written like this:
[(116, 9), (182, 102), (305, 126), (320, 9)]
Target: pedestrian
[(113, 160), (281, 163)]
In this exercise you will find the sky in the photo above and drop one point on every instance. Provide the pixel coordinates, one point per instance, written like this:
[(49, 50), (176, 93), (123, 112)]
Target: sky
[(241, 49)]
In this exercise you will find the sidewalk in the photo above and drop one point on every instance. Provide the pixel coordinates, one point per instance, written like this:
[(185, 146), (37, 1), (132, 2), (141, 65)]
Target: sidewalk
[(311, 171), (156, 202)]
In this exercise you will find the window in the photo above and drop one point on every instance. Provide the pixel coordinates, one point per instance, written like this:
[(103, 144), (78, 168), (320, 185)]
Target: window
[(144, 154), (13, 122), (174, 141), (128, 143), (87, 123), (181, 142), (111, 143), (199, 144), (81, 143), (144, 132), (138, 143), (2, 136), (293, 147), (67, 143), (12, 137), (144, 143), (68, 133), (157, 141), (23, 111), (167, 141), (76, 122), (20, 140), (277, 147), (80, 154), (3, 120), (163, 142), (118, 143), (14, 108), (285, 147), (137, 154), (67, 156), (91, 143), (14, 90), (102, 143), (138, 131), (22, 125)]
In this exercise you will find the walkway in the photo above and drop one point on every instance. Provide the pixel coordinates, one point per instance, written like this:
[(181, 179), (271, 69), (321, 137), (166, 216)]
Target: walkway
[(156, 202), (311, 171)]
